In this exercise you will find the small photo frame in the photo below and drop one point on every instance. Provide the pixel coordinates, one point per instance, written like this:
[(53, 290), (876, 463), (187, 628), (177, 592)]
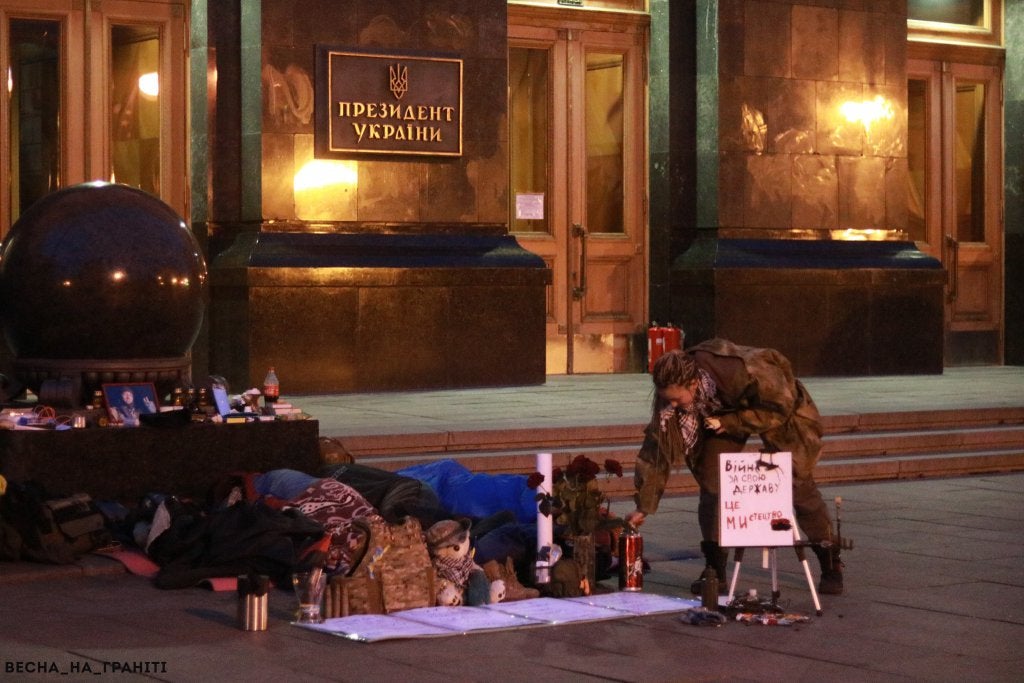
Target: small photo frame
[(220, 397), (125, 402)]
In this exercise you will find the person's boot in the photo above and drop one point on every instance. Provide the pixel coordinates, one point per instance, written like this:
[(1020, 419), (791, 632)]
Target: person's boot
[(514, 589), (831, 582), (714, 558)]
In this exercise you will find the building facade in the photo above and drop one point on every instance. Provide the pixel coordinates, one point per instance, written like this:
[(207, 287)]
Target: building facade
[(406, 195)]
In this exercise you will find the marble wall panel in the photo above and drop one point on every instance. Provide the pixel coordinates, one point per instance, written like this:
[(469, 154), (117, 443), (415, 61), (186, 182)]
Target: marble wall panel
[(791, 119), (815, 192), (732, 129), (768, 191), (896, 48), (390, 192), (733, 176), (896, 184), (906, 320), (766, 39), (449, 191), (307, 333), (852, 30), (731, 31), (278, 22), (887, 137), (836, 134), (278, 158), (815, 43), (484, 86), (326, 21), (862, 192), (491, 183), (413, 321), (474, 364), (330, 198), (287, 82)]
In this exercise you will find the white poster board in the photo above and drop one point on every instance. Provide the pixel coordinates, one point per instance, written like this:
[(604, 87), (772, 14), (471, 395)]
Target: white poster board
[(756, 500)]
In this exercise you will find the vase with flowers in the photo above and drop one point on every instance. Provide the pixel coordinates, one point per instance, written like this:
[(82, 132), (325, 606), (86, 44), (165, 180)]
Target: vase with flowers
[(574, 499)]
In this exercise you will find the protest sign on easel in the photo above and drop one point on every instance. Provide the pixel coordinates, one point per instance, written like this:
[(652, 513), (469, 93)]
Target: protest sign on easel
[(756, 489), (756, 509)]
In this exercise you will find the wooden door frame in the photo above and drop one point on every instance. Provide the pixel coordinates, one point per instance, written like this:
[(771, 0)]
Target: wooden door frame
[(981, 261), (568, 34), (84, 121)]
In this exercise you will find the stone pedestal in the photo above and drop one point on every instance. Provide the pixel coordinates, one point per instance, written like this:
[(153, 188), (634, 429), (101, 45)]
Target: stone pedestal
[(834, 308), (377, 312)]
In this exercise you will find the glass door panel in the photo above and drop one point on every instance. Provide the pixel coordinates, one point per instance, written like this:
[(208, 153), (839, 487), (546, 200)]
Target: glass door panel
[(135, 106), (969, 162), (917, 158), (605, 136), (34, 105), (529, 133)]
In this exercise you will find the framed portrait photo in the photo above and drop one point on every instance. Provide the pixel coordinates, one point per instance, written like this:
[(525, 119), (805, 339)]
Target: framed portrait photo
[(125, 402)]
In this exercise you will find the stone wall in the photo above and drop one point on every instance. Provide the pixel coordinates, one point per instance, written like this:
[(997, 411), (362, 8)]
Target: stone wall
[(400, 277), (810, 170)]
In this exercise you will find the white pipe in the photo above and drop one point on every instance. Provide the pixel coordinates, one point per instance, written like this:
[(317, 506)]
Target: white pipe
[(545, 534), (545, 531)]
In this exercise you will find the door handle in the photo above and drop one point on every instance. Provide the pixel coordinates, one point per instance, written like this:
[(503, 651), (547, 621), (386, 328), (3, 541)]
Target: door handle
[(580, 277), (953, 247)]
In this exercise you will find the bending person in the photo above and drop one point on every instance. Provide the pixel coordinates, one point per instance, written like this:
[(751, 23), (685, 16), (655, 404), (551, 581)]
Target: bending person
[(709, 400)]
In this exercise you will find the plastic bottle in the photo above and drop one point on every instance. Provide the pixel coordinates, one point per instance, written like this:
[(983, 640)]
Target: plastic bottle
[(271, 387)]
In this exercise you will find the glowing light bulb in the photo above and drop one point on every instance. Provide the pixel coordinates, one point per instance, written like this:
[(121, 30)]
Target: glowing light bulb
[(149, 84)]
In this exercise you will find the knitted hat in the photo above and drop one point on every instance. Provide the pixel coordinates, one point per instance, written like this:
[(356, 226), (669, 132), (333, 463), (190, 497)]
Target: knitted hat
[(447, 531)]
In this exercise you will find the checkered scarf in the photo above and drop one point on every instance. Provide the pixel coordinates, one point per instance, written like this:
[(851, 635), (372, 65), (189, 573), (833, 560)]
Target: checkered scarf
[(691, 422), (455, 569)]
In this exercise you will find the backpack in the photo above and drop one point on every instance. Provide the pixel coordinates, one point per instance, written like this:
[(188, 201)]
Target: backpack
[(52, 530), (393, 573)]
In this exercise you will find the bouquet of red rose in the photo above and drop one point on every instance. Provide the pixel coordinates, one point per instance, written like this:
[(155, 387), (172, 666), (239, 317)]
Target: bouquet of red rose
[(575, 498)]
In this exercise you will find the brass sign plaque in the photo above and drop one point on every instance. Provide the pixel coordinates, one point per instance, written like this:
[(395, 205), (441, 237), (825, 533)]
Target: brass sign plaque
[(387, 103)]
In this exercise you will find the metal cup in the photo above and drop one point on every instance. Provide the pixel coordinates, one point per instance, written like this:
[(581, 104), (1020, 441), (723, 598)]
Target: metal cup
[(252, 602)]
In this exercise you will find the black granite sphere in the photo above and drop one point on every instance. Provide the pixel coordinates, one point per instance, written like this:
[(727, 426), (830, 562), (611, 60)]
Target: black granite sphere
[(101, 271)]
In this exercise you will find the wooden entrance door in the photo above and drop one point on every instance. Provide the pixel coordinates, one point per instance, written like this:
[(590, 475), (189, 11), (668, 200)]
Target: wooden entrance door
[(955, 164), (95, 91), (578, 178)]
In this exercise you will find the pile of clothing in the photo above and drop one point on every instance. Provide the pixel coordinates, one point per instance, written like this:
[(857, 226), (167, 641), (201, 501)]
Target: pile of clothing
[(281, 521)]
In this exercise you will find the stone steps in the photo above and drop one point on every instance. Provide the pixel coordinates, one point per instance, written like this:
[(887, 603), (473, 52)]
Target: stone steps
[(861, 447)]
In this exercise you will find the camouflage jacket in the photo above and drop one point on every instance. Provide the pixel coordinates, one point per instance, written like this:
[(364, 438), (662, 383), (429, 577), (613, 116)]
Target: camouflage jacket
[(759, 395)]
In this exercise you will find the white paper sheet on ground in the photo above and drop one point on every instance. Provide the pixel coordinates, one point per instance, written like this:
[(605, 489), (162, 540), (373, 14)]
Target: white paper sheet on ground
[(637, 603), (466, 619), (552, 611), (432, 622), (372, 627)]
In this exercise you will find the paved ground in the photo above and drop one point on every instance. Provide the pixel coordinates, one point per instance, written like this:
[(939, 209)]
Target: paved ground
[(935, 582), (934, 592)]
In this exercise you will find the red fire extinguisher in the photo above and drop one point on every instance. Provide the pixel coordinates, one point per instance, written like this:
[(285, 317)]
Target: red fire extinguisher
[(660, 340), (673, 337), (655, 344)]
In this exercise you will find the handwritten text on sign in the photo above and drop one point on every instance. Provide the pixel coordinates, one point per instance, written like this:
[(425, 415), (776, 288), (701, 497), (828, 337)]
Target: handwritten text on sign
[(756, 500)]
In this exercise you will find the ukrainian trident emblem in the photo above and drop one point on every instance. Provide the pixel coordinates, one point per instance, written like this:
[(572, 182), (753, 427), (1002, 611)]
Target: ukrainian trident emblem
[(398, 80)]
